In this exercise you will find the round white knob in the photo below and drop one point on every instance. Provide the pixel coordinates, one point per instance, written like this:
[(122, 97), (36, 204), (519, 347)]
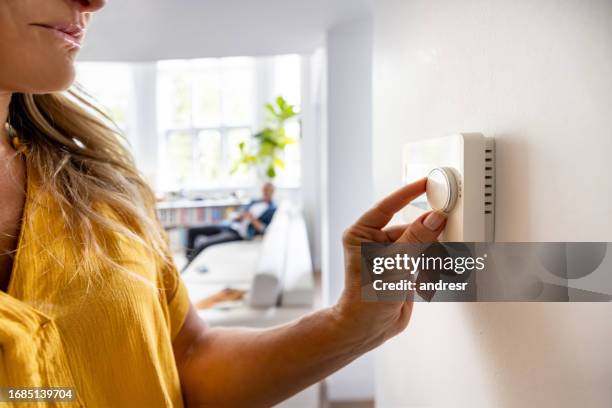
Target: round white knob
[(442, 189)]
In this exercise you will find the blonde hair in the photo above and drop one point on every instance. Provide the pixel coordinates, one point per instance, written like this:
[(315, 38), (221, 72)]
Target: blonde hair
[(76, 155)]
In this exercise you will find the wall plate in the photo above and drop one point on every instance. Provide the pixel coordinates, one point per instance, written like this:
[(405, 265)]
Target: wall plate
[(470, 158)]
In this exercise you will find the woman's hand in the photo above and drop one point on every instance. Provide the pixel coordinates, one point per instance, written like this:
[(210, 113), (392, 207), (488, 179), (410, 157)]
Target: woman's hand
[(378, 321)]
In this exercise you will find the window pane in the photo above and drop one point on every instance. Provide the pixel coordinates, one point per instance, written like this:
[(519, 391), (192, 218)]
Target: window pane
[(207, 97), (234, 138), (287, 75), (111, 85), (237, 82), (290, 176), (293, 129), (174, 98), (208, 159), (180, 158)]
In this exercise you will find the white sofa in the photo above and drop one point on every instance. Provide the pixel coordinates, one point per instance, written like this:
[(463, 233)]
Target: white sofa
[(276, 271)]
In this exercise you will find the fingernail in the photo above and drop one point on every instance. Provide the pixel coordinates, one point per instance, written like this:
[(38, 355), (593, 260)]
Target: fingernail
[(434, 220)]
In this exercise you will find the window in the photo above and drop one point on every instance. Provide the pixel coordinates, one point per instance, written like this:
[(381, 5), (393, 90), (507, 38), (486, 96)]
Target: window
[(287, 82), (204, 109)]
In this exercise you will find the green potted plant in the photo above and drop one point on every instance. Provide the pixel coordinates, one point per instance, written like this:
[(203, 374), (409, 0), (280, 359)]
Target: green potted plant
[(265, 150)]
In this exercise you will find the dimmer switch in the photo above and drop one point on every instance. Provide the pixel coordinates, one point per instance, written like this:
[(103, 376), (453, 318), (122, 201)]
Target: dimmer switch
[(442, 189)]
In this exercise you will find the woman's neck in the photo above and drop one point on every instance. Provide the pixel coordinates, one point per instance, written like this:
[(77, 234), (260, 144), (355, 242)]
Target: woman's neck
[(5, 101)]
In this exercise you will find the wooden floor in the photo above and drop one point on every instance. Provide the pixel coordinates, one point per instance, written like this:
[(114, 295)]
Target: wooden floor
[(364, 404)]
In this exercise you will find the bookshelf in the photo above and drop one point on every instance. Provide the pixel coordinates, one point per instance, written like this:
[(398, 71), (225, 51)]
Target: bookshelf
[(188, 213)]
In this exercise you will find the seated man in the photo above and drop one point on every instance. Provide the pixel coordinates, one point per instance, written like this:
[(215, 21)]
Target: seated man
[(251, 221)]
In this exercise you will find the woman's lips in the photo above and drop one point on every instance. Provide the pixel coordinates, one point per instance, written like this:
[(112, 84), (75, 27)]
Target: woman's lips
[(70, 33)]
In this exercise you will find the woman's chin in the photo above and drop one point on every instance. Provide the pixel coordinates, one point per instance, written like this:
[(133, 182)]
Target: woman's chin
[(63, 85), (57, 81)]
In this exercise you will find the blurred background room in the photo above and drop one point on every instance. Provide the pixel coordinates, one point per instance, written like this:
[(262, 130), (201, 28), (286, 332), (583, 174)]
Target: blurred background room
[(319, 97), (193, 86)]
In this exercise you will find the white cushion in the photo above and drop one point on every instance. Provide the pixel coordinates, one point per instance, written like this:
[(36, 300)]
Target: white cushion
[(298, 280), (266, 284)]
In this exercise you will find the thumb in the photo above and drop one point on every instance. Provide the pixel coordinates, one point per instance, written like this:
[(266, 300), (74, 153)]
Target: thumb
[(425, 229)]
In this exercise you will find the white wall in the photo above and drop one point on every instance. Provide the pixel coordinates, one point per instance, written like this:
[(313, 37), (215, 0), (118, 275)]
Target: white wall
[(537, 76), (347, 172), (313, 114), (145, 133)]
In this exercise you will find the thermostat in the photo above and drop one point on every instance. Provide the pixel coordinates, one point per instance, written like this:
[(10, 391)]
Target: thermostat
[(460, 171), (442, 189)]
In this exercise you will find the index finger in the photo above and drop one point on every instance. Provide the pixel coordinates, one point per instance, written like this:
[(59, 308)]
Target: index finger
[(380, 215)]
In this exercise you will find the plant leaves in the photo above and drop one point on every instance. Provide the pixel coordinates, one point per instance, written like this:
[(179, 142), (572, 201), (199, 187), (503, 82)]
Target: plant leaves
[(280, 163), (268, 144)]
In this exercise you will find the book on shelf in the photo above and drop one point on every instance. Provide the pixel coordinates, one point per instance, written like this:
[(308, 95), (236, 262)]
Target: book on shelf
[(190, 213)]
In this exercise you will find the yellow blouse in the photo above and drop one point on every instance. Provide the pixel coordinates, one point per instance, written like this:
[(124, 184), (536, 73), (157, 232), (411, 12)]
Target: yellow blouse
[(110, 338)]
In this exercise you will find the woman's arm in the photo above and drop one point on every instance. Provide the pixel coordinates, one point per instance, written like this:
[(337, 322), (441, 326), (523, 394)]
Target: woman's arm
[(227, 367)]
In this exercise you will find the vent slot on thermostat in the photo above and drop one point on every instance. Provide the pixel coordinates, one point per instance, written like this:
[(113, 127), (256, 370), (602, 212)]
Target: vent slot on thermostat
[(489, 190)]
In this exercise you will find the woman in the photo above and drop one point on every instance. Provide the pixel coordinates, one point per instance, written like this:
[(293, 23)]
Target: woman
[(90, 298)]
